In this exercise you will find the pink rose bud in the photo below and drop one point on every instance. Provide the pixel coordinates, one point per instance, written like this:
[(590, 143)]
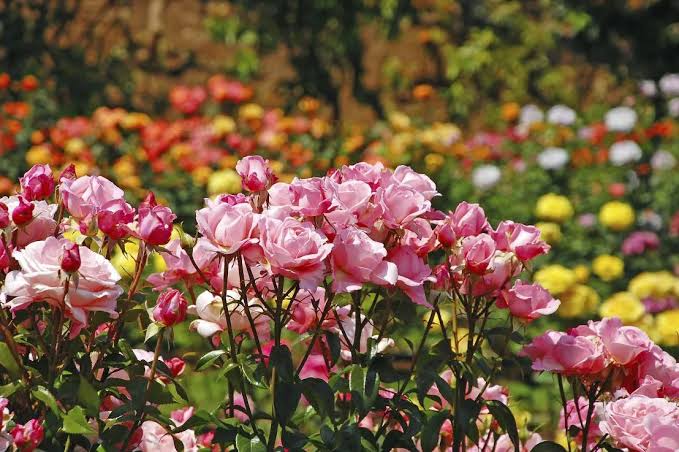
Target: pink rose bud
[(4, 215), (170, 308), (446, 234), (256, 174), (68, 173), (176, 366), (27, 437), (23, 213), (37, 183), (70, 260), (114, 218), (155, 222), (478, 252)]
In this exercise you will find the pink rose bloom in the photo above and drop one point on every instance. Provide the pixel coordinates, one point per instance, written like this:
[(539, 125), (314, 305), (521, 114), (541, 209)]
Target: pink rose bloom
[(364, 172), (315, 367), (180, 268), (170, 308), (114, 217), (40, 227), (37, 183), (352, 195), (522, 240), (357, 259), (639, 242), (491, 392), (210, 310), (404, 175), (5, 219), (156, 437), (629, 421), (5, 260), (478, 252), (295, 249), (497, 277), (528, 301), (40, 280), (624, 344), (400, 205), (229, 228), (661, 366), (307, 310), (309, 197), (412, 273), (27, 437), (155, 222), (85, 197), (469, 219), (419, 236), (566, 354), (664, 438), (255, 173)]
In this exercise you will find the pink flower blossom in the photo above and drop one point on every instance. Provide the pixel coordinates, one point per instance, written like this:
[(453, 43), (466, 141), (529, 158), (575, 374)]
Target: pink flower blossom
[(5, 219), (228, 228), (566, 354), (400, 204), (404, 175), (412, 273), (86, 196), (114, 217), (155, 222), (42, 224), (27, 437), (70, 259), (37, 183), (255, 173), (23, 212), (478, 252), (528, 301), (639, 242), (170, 308), (468, 219), (522, 240)]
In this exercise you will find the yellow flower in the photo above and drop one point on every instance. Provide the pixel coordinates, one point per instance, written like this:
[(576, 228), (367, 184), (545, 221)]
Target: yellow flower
[(180, 150), (579, 301), (124, 167), (557, 279), (130, 181), (158, 262), (549, 232), (667, 327), (74, 147), (623, 305), (433, 162), (608, 267), (582, 273), (201, 175), (656, 284), (81, 168), (223, 125), (553, 207), (616, 215), (224, 181), (251, 112), (134, 120), (38, 155), (399, 121)]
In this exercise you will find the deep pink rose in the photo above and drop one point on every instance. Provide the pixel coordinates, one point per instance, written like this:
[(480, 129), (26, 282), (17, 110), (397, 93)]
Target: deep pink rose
[(27, 437), (639, 242), (42, 224), (5, 219), (566, 354), (478, 252), (528, 301), (357, 259), (114, 217), (85, 197), (469, 219), (23, 212), (295, 249), (400, 205), (70, 259), (170, 308), (522, 240), (229, 228), (255, 173), (37, 183), (412, 273), (154, 222)]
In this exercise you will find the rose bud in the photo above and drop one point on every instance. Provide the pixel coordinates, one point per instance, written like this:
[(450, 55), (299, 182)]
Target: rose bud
[(155, 222), (4, 215), (170, 308), (27, 437), (37, 183), (256, 174), (68, 173), (23, 213), (70, 260), (176, 366)]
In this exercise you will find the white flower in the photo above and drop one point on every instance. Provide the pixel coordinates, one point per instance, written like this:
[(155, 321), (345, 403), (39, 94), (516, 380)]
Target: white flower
[(624, 152), (553, 158), (530, 114), (669, 85), (620, 119), (648, 88), (673, 107), (663, 160), (561, 114), (485, 176)]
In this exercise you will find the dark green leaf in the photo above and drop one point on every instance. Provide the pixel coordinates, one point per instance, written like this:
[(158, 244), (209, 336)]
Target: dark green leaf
[(548, 446), (505, 418), (286, 399), (333, 341), (319, 394), (7, 361), (208, 359), (431, 433), (281, 360)]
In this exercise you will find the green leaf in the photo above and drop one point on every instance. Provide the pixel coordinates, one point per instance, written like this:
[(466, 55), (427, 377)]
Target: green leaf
[(42, 393), (548, 446), (320, 395), (505, 418), (445, 390), (245, 444), (333, 341), (152, 330), (10, 388), (431, 433), (75, 422), (88, 396), (286, 399), (357, 380), (7, 361), (281, 360), (208, 359), (465, 424)]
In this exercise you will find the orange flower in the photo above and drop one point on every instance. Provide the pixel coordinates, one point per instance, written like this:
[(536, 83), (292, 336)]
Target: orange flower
[(423, 91), (660, 129), (5, 80), (37, 137), (602, 155), (29, 83), (6, 186), (17, 109), (582, 157), (510, 111)]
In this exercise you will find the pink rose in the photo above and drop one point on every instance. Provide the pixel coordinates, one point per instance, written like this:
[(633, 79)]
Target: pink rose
[(170, 308), (469, 219), (357, 259), (478, 252), (624, 344), (210, 310), (522, 240), (114, 217), (42, 224), (528, 301), (27, 437), (404, 175), (400, 205), (295, 249), (229, 228), (23, 212), (419, 235), (70, 259), (352, 195), (155, 222), (664, 438), (309, 197), (5, 219), (37, 183), (40, 280), (156, 437), (255, 173), (629, 421), (577, 415), (85, 197), (180, 268), (412, 273), (566, 354), (364, 172)]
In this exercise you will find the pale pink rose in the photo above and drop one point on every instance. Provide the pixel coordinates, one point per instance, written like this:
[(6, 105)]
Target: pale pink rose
[(468, 219), (307, 197), (364, 172), (664, 438), (352, 195), (356, 259), (421, 183), (295, 249), (661, 366), (40, 279), (413, 272), (179, 267), (491, 392), (255, 172), (629, 421), (566, 354), (306, 311), (522, 240), (210, 310), (41, 226), (229, 228), (624, 344), (37, 183), (528, 301), (478, 252), (85, 197), (156, 438), (400, 205), (419, 236)]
